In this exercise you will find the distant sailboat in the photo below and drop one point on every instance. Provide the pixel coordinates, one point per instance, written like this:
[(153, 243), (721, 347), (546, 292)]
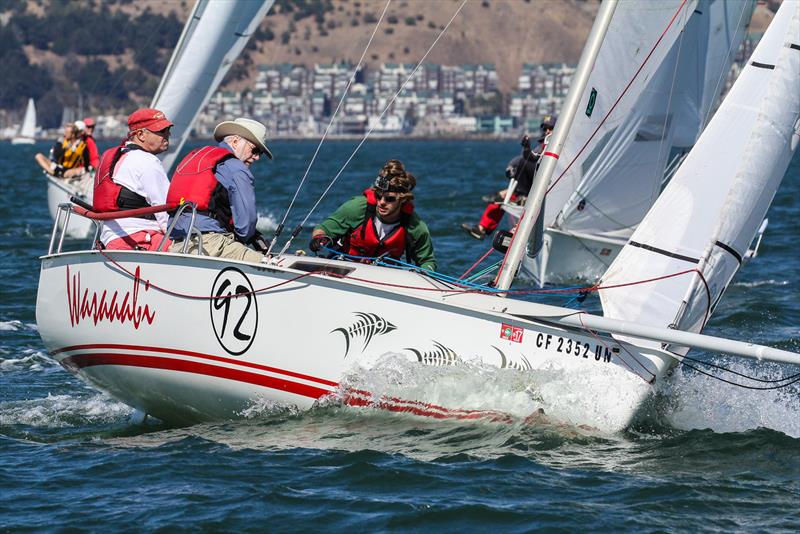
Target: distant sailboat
[(27, 132)]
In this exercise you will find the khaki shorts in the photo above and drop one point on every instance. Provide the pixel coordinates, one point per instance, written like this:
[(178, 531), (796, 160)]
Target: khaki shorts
[(220, 245)]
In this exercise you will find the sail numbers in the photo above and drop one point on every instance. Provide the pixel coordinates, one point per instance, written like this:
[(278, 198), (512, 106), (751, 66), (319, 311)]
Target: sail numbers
[(234, 311)]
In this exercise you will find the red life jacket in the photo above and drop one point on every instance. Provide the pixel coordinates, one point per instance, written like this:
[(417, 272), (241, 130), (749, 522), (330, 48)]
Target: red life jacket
[(195, 181), (363, 240), (109, 195)]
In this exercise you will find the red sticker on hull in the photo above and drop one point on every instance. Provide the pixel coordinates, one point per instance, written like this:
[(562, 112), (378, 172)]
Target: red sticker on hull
[(512, 333)]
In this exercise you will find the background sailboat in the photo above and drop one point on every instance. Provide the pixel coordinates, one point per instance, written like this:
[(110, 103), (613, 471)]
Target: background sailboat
[(213, 37), (647, 113), (27, 132), (711, 210)]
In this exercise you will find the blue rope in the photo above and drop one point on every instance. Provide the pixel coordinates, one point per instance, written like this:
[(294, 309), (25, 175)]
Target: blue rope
[(467, 283)]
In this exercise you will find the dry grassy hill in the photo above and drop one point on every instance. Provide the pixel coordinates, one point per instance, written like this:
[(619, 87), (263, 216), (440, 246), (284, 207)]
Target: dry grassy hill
[(506, 33)]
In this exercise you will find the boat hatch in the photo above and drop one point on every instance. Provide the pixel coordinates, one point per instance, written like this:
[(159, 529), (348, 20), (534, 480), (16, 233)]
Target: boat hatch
[(311, 267)]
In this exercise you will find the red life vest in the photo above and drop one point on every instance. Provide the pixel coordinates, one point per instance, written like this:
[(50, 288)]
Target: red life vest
[(363, 240), (109, 195), (195, 181)]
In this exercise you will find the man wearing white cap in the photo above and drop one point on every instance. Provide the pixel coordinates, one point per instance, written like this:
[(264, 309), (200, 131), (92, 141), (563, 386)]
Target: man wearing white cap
[(219, 181)]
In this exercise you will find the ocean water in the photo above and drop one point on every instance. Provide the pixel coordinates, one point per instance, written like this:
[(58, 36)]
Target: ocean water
[(712, 457)]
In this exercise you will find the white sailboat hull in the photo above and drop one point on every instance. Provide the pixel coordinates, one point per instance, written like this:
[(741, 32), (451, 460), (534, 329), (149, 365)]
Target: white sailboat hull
[(59, 192), (23, 141), (157, 341), (580, 258), (567, 257)]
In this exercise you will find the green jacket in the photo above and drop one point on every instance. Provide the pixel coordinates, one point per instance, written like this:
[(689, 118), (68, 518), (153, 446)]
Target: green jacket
[(351, 214)]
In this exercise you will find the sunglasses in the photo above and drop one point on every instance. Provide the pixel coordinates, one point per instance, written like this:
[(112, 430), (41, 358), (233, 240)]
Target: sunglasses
[(165, 133), (384, 196)]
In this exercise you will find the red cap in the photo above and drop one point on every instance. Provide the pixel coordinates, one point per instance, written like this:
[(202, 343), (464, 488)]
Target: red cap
[(88, 121), (149, 118)]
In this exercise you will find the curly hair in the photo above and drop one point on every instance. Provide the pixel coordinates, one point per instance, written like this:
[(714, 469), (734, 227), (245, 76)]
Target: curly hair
[(394, 176)]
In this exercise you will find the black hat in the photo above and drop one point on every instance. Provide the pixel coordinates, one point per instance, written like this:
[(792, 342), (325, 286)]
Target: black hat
[(549, 122)]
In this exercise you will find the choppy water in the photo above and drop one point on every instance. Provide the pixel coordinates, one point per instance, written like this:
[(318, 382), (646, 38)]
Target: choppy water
[(712, 457)]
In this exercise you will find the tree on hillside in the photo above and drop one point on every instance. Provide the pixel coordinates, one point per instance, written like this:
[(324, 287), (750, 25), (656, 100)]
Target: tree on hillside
[(20, 79)]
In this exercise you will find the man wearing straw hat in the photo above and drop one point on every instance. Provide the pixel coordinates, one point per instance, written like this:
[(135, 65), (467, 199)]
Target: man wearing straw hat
[(218, 180)]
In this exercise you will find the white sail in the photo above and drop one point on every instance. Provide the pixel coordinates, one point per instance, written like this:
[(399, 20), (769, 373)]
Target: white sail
[(212, 39), (712, 38), (620, 175), (29, 122), (641, 35), (709, 213), (27, 132)]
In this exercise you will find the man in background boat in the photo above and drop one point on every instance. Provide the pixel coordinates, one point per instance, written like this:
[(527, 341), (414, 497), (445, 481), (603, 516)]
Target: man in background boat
[(381, 221), (91, 144), (521, 170), (219, 181), (68, 156), (130, 176)]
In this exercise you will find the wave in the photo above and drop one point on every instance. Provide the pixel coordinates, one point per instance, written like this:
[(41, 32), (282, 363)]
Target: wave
[(62, 411), (266, 222), (697, 401), (762, 283), (30, 360)]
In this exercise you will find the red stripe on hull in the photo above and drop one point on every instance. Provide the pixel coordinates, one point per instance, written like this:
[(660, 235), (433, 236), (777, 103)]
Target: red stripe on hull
[(361, 398), (180, 352), (80, 361)]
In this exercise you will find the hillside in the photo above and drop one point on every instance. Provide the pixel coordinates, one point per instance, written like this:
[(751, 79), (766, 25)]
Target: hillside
[(108, 56), (506, 33)]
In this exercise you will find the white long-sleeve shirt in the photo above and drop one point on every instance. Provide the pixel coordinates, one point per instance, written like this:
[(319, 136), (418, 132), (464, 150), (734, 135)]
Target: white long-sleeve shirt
[(142, 173)]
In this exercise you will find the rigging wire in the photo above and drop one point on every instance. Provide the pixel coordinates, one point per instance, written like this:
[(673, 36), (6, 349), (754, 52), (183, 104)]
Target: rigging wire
[(795, 380), (280, 226), (369, 131), (658, 184), (743, 375), (619, 98), (739, 27)]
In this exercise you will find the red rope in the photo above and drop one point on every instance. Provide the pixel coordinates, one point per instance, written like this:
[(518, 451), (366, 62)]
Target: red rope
[(122, 214), (476, 263), (200, 297), (404, 286)]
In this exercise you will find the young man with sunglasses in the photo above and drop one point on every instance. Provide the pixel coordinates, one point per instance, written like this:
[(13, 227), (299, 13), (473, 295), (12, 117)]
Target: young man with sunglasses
[(380, 222), (130, 176), (219, 181)]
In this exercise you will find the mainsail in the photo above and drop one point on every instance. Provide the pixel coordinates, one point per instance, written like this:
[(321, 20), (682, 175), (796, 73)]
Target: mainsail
[(709, 213), (609, 186), (212, 39)]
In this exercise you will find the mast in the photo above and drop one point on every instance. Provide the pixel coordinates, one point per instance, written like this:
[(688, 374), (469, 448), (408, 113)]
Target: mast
[(536, 198), (214, 35)]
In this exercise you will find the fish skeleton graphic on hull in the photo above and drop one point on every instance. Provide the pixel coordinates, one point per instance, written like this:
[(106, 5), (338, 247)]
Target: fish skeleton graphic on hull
[(440, 355), (367, 326), (506, 363)]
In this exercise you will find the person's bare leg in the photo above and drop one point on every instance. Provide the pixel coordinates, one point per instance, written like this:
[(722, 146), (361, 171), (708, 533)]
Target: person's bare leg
[(71, 173), (44, 162)]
